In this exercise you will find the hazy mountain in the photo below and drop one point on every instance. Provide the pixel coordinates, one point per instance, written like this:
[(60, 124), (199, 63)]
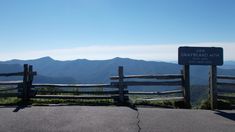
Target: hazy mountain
[(99, 71), (8, 68), (228, 65)]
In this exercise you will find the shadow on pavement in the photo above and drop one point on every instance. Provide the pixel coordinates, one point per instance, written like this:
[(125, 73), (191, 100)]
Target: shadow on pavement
[(130, 105), (227, 115), (19, 107)]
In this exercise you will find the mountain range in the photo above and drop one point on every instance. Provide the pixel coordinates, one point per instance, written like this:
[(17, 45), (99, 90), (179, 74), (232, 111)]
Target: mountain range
[(99, 71)]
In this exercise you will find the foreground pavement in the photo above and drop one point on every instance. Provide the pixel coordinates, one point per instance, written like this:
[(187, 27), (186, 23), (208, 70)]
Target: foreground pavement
[(180, 120), (113, 119)]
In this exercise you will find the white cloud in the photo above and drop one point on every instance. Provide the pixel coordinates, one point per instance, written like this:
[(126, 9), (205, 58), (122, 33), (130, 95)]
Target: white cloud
[(163, 52)]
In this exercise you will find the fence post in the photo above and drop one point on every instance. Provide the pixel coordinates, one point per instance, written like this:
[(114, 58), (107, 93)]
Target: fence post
[(25, 83), (30, 81), (120, 85), (186, 85), (213, 87)]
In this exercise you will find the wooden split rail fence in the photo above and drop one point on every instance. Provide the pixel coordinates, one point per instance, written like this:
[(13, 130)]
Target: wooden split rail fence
[(22, 87), (177, 80), (116, 90), (221, 87)]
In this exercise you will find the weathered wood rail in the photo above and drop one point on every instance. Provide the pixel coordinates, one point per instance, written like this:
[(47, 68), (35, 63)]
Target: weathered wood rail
[(149, 83), (10, 82), (165, 76), (22, 89), (157, 93), (74, 85), (116, 90), (113, 91), (181, 80), (221, 87), (77, 94), (224, 87), (25, 89)]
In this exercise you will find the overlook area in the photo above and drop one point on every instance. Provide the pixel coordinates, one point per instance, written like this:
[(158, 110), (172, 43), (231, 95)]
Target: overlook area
[(117, 66)]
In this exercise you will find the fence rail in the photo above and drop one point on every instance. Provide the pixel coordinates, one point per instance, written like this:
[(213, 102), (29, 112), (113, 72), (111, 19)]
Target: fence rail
[(23, 86), (71, 97), (225, 77), (4, 95), (166, 98), (162, 80), (117, 89), (150, 83), (8, 89), (12, 74), (225, 88), (15, 74), (226, 97), (157, 93), (226, 84), (75, 85), (80, 92), (10, 82), (164, 77)]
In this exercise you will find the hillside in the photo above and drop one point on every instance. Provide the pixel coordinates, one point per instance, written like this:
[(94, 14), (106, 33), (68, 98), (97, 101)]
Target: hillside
[(99, 71), (87, 71)]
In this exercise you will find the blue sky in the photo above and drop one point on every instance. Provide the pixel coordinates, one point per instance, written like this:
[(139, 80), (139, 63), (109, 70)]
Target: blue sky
[(30, 28)]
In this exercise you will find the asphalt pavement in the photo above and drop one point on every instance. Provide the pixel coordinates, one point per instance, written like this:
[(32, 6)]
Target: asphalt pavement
[(113, 119)]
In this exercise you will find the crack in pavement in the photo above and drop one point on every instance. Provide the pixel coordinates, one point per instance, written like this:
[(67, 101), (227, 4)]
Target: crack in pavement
[(138, 120)]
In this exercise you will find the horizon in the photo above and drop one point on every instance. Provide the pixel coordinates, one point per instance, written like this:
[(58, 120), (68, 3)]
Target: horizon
[(48, 57), (105, 29), (165, 53)]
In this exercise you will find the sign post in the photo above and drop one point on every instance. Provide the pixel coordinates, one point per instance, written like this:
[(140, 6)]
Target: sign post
[(212, 56), (213, 87), (186, 85)]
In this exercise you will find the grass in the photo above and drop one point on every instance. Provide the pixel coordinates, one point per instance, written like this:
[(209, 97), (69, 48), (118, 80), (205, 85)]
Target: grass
[(55, 91), (205, 104), (94, 102), (226, 104), (136, 100), (221, 104), (16, 101), (99, 102), (162, 103), (199, 93), (10, 101)]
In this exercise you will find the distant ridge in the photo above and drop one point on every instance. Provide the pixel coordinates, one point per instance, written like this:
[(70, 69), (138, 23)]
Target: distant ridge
[(99, 71)]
